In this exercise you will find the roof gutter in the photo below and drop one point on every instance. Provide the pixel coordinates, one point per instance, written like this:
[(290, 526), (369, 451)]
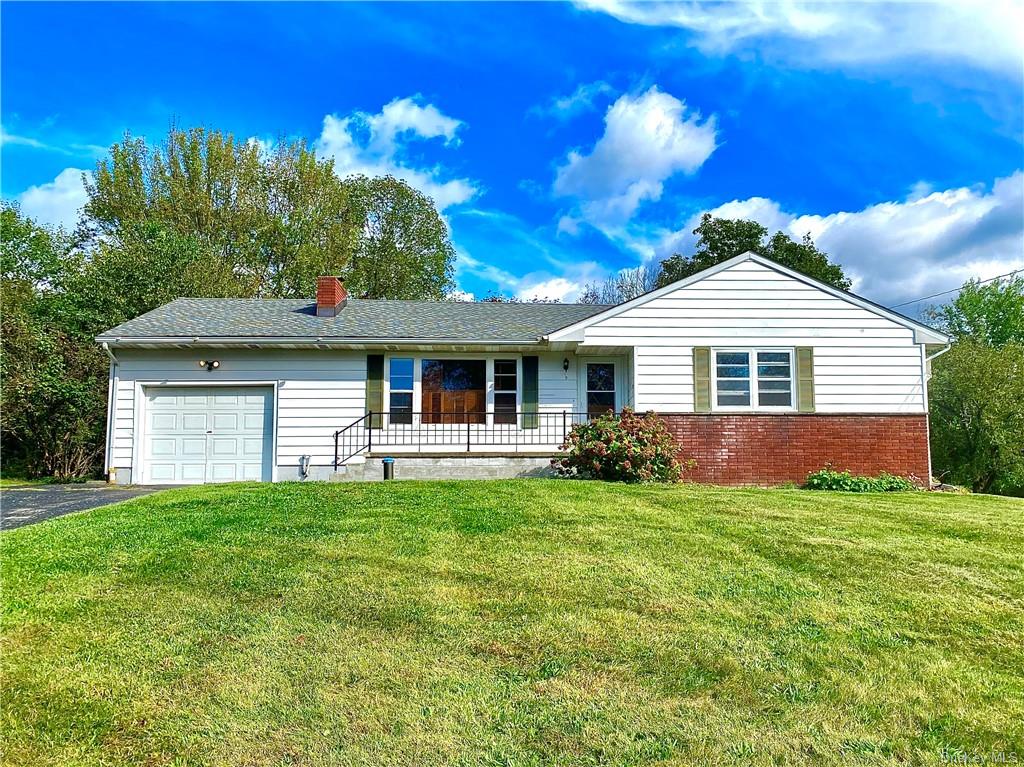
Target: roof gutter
[(939, 353), (928, 360), (108, 341)]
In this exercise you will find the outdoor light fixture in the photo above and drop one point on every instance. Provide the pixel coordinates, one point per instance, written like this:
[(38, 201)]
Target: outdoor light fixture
[(565, 365), (209, 364)]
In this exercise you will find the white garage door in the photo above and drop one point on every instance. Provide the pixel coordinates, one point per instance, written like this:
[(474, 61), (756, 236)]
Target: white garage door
[(208, 434)]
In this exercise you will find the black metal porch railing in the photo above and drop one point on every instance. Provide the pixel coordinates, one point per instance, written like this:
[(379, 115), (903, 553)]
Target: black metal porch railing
[(425, 431)]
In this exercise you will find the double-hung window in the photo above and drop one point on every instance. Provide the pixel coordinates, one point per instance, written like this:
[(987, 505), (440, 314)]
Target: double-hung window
[(505, 379), (753, 378), (400, 385)]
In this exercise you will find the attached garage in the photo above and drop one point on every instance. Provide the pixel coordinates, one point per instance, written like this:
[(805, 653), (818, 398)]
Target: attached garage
[(197, 434)]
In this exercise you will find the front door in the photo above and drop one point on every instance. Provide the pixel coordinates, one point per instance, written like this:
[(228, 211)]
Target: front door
[(600, 388)]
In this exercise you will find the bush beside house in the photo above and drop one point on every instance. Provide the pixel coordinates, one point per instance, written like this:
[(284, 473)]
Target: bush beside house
[(621, 448)]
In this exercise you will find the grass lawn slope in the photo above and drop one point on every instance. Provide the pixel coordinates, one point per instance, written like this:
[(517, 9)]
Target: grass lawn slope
[(515, 623)]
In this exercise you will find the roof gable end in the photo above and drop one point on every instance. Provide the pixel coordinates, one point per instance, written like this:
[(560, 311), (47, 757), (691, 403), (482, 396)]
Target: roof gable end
[(922, 333)]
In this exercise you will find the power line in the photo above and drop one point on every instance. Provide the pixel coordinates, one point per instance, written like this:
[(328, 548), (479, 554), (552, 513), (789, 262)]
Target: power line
[(954, 290)]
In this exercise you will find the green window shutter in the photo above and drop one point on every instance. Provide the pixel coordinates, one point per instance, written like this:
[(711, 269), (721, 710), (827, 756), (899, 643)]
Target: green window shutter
[(805, 379), (375, 388), (702, 379), (531, 420)]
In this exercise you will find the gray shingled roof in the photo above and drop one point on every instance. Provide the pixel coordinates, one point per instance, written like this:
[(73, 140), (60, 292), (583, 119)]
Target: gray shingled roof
[(360, 318)]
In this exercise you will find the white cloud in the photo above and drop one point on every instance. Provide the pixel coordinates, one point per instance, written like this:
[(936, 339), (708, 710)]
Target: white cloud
[(987, 35), (579, 101), (569, 225), (402, 117), (461, 295), (647, 139), (56, 202), (899, 251), (467, 264), (72, 149), (10, 139), (554, 289), (377, 145)]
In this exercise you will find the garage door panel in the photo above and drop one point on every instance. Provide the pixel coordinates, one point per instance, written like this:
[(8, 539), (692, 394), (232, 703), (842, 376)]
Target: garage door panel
[(225, 421), (203, 434), (163, 448), (193, 448), (162, 472), (224, 447), (193, 472), (163, 421), (193, 422), (224, 472)]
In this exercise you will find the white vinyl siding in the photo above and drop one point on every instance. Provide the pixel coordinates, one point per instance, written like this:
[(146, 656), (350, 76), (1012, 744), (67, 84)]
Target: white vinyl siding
[(862, 362), (557, 387), (318, 392)]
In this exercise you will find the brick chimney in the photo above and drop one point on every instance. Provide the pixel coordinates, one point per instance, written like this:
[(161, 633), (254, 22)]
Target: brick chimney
[(330, 296)]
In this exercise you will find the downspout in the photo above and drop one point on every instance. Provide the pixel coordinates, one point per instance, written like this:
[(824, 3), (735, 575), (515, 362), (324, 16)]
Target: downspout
[(112, 378), (926, 374)]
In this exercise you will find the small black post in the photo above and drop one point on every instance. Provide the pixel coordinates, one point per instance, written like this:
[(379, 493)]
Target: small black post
[(369, 433), (468, 419), (389, 468)]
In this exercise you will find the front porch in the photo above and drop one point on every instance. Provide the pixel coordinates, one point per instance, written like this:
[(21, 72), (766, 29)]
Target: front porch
[(490, 404), (439, 435)]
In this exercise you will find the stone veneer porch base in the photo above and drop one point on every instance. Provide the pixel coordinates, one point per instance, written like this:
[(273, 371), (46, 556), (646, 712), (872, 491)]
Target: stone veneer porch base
[(764, 449)]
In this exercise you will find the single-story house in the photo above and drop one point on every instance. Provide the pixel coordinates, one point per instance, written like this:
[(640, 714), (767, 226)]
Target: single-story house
[(761, 373)]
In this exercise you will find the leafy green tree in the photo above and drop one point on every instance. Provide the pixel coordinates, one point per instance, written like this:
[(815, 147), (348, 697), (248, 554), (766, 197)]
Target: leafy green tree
[(152, 268), (403, 250), (977, 416), (53, 385), (992, 313), (975, 403), (29, 253), (275, 219), (719, 239)]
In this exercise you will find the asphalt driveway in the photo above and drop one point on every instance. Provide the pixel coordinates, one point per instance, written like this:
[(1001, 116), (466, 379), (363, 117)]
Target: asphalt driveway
[(27, 504)]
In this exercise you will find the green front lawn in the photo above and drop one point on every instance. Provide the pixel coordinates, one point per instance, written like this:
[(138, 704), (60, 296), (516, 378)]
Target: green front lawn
[(515, 623)]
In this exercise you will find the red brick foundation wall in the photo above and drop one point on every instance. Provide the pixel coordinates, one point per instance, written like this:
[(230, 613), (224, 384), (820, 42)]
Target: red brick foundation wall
[(759, 449)]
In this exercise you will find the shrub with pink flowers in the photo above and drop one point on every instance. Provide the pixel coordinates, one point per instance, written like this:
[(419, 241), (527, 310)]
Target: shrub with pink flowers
[(620, 448)]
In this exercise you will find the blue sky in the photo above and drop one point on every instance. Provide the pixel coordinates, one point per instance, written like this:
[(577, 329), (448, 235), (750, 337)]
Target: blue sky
[(566, 142)]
